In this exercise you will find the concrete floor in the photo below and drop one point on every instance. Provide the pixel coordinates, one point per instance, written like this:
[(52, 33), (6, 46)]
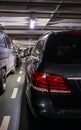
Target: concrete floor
[(10, 101)]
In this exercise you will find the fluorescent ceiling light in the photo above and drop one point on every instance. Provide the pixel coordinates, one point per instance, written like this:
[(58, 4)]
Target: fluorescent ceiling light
[(14, 21), (32, 23)]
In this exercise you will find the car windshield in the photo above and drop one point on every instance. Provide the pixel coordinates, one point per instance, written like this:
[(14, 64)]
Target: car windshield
[(63, 48)]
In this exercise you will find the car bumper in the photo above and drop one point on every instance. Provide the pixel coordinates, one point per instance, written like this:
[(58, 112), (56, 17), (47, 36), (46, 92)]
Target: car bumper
[(41, 106)]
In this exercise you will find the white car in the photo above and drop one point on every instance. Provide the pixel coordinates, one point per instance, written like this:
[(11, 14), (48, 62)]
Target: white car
[(7, 59)]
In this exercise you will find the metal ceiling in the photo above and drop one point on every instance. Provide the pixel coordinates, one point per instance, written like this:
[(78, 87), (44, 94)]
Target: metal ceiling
[(54, 15)]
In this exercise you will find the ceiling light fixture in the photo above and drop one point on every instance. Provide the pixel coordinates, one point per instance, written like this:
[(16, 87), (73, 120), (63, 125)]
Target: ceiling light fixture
[(32, 22)]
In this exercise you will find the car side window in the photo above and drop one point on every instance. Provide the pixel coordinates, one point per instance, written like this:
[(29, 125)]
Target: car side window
[(38, 49), (2, 42), (8, 42)]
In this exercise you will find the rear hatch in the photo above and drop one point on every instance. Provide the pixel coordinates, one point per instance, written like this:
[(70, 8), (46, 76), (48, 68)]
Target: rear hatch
[(62, 60), (72, 73)]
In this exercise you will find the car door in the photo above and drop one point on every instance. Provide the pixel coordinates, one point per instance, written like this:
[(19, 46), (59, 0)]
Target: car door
[(3, 51), (11, 56)]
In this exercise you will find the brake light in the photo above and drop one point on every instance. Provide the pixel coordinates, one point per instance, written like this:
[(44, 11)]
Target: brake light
[(58, 84), (39, 81), (45, 82)]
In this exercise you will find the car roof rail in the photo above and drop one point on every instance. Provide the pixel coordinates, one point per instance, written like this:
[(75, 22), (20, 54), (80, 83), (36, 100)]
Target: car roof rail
[(46, 33)]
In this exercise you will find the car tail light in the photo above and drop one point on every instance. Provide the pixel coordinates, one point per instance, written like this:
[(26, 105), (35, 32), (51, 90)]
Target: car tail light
[(39, 81), (45, 82), (58, 84)]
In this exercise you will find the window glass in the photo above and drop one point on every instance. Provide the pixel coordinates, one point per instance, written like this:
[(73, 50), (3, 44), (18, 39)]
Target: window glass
[(38, 48), (63, 49), (2, 43), (8, 42)]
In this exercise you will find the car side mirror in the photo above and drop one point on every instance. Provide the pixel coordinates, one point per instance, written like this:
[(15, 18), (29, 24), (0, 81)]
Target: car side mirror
[(36, 58)]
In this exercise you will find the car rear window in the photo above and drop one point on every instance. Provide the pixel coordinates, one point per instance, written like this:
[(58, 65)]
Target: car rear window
[(63, 48)]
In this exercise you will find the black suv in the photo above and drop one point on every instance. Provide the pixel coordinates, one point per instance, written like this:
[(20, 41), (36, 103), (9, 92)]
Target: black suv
[(7, 59), (53, 75)]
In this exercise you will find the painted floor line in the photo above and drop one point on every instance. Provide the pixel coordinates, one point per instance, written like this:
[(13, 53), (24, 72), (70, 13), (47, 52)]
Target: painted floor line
[(14, 94), (20, 72), (18, 79), (5, 123)]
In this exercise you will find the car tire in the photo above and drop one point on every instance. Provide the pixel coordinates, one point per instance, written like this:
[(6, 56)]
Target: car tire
[(13, 70), (3, 80)]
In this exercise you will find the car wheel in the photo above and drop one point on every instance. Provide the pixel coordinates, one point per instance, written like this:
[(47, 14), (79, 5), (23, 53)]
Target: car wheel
[(3, 80), (14, 68)]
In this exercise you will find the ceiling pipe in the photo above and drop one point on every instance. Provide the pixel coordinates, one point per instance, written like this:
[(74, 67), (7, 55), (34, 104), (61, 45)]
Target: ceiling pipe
[(57, 7), (56, 12), (25, 11), (68, 13), (21, 3)]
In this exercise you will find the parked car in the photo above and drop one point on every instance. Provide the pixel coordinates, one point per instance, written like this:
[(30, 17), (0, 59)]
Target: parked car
[(18, 59), (27, 52), (7, 59), (21, 53), (53, 76)]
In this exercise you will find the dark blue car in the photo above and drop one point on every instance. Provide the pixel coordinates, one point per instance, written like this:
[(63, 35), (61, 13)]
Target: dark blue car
[(53, 76)]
